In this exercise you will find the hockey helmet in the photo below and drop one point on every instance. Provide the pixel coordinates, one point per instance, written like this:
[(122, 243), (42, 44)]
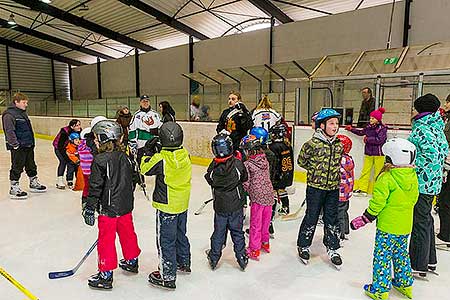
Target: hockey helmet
[(278, 132), (250, 142), (222, 145), (171, 135), (107, 130), (346, 142), (399, 151), (74, 136), (261, 134)]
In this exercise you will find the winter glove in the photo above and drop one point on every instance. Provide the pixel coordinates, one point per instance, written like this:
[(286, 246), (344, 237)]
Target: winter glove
[(89, 216), (152, 146), (133, 149), (348, 127), (359, 222)]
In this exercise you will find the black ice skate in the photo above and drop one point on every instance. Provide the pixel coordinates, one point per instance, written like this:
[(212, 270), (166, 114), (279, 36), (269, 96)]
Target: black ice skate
[(243, 262), (15, 192), (131, 265), (36, 186), (335, 259), (422, 275), (212, 264), (303, 253), (101, 280), (155, 279), (271, 231), (184, 269)]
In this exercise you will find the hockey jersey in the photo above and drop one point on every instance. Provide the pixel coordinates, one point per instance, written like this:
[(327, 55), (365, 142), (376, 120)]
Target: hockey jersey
[(265, 118), (284, 174), (143, 127)]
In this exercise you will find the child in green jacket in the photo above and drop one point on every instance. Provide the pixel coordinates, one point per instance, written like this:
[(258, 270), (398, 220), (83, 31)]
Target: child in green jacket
[(395, 193)]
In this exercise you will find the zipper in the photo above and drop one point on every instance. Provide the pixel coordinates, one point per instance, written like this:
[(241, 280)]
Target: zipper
[(329, 163), (109, 187)]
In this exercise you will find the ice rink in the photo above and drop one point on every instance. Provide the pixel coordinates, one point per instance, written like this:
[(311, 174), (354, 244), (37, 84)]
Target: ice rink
[(47, 233)]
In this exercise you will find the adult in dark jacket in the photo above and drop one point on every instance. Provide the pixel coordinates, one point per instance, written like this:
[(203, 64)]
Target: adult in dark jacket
[(59, 144), (235, 120), (20, 141), (167, 112), (124, 119), (367, 106)]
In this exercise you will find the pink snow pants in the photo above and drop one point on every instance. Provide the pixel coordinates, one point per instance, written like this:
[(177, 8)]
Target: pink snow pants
[(106, 247), (260, 216)]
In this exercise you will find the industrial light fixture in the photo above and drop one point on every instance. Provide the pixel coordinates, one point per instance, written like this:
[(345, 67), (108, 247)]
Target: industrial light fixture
[(46, 1), (11, 20)]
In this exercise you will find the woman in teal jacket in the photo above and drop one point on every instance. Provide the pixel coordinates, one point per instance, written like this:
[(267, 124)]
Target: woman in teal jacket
[(395, 193)]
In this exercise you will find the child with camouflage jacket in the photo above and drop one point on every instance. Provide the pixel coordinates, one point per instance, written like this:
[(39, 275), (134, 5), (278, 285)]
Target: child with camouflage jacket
[(321, 157)]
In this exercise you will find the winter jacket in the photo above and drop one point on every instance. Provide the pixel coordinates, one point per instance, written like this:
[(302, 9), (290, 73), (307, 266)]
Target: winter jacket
[(321, 157), (17, 128), (273, 162), (258, 185), (394, 195), (225, 176), (364, 112), (63, 131), (447, 127), (347, 178), (167, 117), (124, 121), (284, 171), (86, 157), (173, 171), (237, 121), (376, 137), (432, 148), (143, 127), (111, 184), (72, 153)]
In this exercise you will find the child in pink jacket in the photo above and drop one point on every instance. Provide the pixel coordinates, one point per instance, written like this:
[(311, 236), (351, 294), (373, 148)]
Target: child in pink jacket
[(260, 190), (86, 159)]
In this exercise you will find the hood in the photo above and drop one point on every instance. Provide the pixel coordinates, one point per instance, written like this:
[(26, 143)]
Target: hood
[(259, 161), (405, 178), (177, 159), (433, 120), (319, 134)]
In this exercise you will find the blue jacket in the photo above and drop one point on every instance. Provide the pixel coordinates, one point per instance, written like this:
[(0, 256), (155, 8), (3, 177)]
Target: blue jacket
[(17, 128)]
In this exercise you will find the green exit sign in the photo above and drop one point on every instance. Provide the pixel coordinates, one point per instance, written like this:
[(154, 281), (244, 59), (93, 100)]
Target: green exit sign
[(390, 60)]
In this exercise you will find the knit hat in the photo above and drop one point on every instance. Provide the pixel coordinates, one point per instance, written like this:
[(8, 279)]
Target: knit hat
[(378, 114), (427, 103)]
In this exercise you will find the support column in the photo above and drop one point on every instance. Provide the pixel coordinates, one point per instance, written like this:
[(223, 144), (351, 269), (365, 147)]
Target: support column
[(137, 76), (99, 79)]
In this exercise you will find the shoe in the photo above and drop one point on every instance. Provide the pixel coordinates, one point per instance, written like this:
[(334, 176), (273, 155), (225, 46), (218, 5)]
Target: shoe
[(156, 279), (15, 192), (243, 262), (60, 183), (185, 269), (359, 193), (70, 184), (265, 247), (271, 231), (406, 291), (375, 295), (212, 263), (335, 258), (422, 274), (432, 267), (131, 265), (283, 211), (36, 186), (253, 254), (303, 253), (320, 221), (101, 280)]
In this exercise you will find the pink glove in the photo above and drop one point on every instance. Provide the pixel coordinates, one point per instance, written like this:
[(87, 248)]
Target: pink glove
[(359, 222), (348, 127)]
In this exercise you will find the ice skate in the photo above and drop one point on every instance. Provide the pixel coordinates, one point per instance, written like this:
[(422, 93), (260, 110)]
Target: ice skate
[(303, 253), (265, 247), (70, 184), (422, 275), (271, 231), (359, 193), (375, 295), (15, 192), (335, 259), (253, 254), (184, 269), (101, 280), (243, 262), (60, 183), (406, 290), (131, 265), (212, 264), (36, 186), (155, 279)]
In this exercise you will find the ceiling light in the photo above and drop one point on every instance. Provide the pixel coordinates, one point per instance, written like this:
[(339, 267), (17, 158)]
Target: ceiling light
[(11, 20), (46, 1)]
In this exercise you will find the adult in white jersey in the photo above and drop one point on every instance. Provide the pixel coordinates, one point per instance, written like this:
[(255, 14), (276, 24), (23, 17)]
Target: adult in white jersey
[(264, 115)]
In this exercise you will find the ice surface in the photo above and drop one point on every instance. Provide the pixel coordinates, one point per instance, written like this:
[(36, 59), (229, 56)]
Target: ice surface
[(46, 233)]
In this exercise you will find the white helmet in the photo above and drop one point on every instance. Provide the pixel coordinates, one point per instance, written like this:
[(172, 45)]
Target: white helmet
[(401, 152), (93, 122)]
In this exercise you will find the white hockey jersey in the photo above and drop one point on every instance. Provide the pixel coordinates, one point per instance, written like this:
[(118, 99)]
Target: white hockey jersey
[(143, 127), (265, 118)]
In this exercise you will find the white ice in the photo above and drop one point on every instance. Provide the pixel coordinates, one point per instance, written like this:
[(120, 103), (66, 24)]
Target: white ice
[(46, 233)]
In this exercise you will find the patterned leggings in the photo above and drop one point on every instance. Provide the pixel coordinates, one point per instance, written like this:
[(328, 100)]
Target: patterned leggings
[(391, 248)]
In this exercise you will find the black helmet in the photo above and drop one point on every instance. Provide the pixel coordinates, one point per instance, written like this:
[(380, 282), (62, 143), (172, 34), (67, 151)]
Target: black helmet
[(171, 135), (278, 132), (222, 145), (107, 130)]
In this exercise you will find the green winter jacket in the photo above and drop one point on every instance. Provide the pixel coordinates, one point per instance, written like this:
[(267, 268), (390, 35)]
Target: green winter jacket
[(173, 171), (321, 158), (394, 195), (428, 136)]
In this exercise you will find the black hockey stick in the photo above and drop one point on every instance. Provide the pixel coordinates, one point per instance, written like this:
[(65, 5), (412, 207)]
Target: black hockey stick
[(200, 209), (141, 182), (62, 274)]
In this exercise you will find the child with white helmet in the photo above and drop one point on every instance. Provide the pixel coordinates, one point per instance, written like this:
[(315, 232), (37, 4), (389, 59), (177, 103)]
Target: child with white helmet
[(395, 193)]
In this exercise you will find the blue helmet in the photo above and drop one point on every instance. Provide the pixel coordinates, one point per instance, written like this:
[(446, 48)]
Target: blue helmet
[(260, 134), (250, 142), (325, 114), (74, 136), (222, 145)]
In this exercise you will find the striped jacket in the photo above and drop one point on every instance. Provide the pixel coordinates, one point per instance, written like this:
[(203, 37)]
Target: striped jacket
[(347, 177), (86, 157)]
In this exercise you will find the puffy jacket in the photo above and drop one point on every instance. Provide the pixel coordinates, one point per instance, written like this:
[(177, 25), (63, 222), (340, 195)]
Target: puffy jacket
[(284, 171), (347, 177), (432, 148), (258, 185), (225, 176), (321, 158), (72, 153), (376, 137), (143, 127), (86, 157), (17, 127), (173, 171), (111, 184), (394, 195), (63, 131), (237, 121)]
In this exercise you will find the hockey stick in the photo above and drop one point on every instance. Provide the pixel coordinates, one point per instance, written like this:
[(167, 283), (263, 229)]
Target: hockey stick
[(295, 215), (18, 285), (141, 183), (62, 274), (200, 209)]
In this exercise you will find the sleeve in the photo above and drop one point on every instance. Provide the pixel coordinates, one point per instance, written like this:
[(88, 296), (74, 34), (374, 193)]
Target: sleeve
[(380, 195), (246, 183), (380, 138), (242, 169), (304, 157), (9, 126), (152, 165), (96, 184), (221, 124), (132, 132), (208, 175), (359, 132), (273, 166)]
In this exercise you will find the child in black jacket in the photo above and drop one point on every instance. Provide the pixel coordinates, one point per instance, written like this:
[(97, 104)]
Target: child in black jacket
[(225, 175)]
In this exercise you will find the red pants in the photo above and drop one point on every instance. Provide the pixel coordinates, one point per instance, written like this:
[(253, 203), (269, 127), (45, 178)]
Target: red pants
[(86, 185), (106, 247)]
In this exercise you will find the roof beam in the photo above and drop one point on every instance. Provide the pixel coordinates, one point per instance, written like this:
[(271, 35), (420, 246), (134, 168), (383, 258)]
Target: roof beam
[(53, 39), (40, 52), (163, 18), (81, 22), (271, 10)]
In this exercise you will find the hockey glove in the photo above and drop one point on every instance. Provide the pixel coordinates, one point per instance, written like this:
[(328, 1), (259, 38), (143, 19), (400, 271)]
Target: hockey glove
[(89, 216), (152, 146)]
